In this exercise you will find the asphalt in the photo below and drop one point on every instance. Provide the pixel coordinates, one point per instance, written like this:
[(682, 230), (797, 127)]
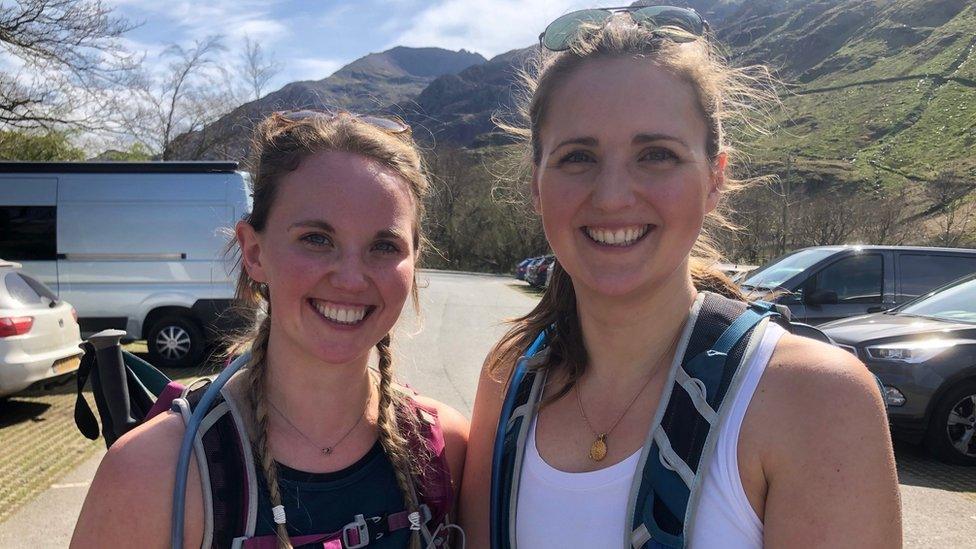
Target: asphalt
[(440, 353)]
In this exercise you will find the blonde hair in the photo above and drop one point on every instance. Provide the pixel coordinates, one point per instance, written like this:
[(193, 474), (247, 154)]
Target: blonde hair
[(279, 145), (725, 96)]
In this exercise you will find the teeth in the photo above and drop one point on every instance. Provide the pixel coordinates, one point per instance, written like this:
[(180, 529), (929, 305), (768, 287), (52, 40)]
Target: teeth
[(341, 315), (619, 237)]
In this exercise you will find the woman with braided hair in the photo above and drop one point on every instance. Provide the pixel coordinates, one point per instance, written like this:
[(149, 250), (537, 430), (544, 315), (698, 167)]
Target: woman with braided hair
[(340, 453)]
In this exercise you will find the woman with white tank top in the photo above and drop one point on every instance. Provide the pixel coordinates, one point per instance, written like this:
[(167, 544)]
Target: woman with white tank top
[(629, 160)]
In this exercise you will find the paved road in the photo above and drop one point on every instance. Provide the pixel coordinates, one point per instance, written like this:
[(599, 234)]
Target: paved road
[(440, 354)]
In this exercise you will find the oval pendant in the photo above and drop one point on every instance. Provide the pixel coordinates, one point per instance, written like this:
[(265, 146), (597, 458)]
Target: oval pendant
[(598, 450)]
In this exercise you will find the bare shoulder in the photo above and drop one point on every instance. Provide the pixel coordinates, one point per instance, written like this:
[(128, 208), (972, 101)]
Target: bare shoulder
[(819, 429), (137, 472)]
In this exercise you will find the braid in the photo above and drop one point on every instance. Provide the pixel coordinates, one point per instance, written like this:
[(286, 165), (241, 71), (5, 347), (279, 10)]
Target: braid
[(391, 437), (256, 369)]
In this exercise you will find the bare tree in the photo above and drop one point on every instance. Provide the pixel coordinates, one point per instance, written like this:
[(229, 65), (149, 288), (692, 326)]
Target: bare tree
[(192, 91), (68, 52), (951, 199), (257, 68)]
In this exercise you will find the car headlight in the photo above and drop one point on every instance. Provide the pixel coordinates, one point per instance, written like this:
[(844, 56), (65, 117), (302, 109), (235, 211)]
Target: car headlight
[(914, 352)]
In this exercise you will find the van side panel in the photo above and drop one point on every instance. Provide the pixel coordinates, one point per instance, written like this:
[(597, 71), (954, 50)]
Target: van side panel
[(128, 243)]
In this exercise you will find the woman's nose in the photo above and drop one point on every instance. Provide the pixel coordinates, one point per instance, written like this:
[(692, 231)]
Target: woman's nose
[(614, 188), (349, 274)]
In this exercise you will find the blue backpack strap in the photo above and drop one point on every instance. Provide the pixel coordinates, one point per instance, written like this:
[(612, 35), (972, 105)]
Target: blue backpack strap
[(715, 351), (507, 434)]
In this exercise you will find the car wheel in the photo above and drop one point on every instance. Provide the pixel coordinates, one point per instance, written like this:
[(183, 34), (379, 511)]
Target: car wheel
[(175, 341), (952, 433)]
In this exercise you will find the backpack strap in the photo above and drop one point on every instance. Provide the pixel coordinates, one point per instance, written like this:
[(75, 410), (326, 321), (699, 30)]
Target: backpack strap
[(721, 336), (524, 391), (434, 488), (226, 466)]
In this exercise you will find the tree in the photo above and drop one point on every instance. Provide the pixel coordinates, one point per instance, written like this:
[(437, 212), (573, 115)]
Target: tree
[(190, 93), (44, 146), (257, 69), (952, 200), (68, 53)]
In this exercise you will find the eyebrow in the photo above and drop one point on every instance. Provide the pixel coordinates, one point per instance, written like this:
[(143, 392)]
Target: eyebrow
[(638, 139), (649, 137), (319, 224)]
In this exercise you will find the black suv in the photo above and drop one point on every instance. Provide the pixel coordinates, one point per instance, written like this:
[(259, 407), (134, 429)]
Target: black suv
[(826, 283), (924, 352)]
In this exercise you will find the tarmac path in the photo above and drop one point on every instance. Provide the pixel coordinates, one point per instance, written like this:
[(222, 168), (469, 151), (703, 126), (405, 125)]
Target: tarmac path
[(440, 354)]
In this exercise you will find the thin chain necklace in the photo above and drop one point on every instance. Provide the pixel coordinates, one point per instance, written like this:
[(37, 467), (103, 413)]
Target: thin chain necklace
[(326, 450), (598, 450)]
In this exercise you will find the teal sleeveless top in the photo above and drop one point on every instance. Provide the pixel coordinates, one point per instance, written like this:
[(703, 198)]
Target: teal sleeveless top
[(322, 503)]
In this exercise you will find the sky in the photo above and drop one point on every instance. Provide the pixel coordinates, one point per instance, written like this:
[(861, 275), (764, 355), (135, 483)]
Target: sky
[(312, 39)]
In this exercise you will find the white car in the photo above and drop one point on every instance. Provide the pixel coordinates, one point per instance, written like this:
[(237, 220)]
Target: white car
[(39, 335)]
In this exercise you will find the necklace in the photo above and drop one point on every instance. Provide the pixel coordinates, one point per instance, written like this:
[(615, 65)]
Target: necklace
[(326, 450), (598, 450)]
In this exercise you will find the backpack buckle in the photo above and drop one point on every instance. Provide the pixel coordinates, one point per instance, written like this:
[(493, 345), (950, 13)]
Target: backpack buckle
[(355, 535)]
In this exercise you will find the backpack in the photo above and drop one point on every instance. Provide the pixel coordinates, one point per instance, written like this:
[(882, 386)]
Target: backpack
[(129, 391), (720, 335)]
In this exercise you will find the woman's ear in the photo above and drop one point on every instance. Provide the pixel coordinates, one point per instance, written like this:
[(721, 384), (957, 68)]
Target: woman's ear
[(716, 181), (250, 243)]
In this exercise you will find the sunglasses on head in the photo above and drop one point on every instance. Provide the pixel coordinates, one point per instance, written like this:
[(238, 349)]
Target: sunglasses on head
[(385, 124), (678, 24)]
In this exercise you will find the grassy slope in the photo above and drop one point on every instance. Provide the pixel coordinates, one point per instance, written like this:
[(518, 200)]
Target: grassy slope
[(890, 112)]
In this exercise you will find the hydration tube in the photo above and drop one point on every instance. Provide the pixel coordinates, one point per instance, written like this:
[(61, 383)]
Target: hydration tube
[(186, 449), (507, 407)]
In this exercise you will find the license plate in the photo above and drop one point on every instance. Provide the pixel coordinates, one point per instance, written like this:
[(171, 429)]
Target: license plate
[(68, 364)]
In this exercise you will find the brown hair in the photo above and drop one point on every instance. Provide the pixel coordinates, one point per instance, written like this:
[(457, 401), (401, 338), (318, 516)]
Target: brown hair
[(279, 145), (726, 96)]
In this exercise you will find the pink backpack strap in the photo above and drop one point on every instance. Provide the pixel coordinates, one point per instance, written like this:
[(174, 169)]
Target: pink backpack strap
[(436, 489)]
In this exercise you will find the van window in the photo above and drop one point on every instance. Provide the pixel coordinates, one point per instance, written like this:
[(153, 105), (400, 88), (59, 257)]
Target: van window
[(28, 233), (856, 279), (921, 273)]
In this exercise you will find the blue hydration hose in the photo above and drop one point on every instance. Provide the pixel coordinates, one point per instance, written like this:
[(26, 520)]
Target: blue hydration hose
[(507, 407), (186, 448)]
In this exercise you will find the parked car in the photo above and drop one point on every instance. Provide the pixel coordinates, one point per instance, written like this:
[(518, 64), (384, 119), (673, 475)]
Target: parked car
[(735, 271), (830, 282), (134, 246), (924, 352), (39, 335), (520, 268), (536, 272)]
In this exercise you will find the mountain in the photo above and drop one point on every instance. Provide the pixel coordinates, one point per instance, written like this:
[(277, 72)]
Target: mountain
[(877, 91), (369, 84)]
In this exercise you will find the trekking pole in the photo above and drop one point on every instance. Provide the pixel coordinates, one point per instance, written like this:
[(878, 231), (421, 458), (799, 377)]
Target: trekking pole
[(110, 373), (186, 448)]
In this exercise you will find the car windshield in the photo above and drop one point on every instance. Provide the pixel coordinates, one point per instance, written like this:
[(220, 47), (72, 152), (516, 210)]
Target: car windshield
[(775, 274), (956, 303)]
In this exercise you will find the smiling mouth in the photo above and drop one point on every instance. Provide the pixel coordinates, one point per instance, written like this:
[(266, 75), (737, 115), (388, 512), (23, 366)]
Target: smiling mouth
[(342, 314), (618, 238)]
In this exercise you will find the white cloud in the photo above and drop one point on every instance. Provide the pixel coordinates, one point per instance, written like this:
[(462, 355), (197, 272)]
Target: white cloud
[(313, 68), (488, 28)]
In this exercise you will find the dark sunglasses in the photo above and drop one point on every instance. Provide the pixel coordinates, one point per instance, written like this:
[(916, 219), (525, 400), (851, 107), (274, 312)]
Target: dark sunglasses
[(678, 24), (385, 124)]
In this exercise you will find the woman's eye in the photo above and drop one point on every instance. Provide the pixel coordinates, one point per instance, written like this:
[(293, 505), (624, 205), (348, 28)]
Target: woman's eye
[(576, 157), (386, 247), (658, 155), (316, 239)]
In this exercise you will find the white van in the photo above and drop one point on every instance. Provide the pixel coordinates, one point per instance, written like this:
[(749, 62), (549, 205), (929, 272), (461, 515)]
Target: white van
[(133, 246)]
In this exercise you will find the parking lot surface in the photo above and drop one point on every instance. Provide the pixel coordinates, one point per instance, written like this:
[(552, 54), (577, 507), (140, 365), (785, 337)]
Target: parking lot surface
[(47, 465)]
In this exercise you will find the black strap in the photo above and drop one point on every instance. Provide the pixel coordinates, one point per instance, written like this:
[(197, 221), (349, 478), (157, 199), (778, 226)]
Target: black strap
[(84, 418)]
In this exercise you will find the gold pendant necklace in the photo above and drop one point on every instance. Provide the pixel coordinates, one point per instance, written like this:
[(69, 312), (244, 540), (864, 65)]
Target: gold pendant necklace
[(599, 448)]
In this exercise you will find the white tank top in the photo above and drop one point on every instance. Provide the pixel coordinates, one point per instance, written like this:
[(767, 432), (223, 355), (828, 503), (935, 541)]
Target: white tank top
[(558, 509)]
